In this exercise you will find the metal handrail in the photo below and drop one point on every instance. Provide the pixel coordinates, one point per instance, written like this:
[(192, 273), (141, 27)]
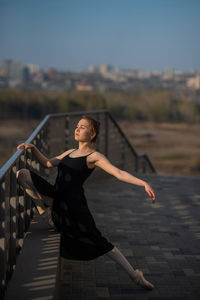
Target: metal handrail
[(145, 157), (16, 211), (17, 154)]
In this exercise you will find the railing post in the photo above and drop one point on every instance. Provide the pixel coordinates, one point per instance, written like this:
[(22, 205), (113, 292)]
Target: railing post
[(19, 214), (144, 165), (98, 143), (106, 135), (8, 265), (136, 163), (67, 120), (12, 175), (123, 157), (45, 144), (2, 239), (26, 204), (21, 208)]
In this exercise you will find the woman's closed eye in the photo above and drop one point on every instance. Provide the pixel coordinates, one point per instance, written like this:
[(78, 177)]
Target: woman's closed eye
[(80, 127)]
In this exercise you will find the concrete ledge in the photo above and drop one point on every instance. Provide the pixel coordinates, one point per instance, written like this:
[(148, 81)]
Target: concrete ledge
[(37, 265)]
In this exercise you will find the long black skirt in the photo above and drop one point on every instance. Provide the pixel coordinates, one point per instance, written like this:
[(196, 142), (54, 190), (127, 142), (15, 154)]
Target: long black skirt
[(80, 237)]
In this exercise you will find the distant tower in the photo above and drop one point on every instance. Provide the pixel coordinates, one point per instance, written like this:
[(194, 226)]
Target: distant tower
[(93, 69), (33, 68), (25, 75), (105, 68), (169, 72), (13, 69)]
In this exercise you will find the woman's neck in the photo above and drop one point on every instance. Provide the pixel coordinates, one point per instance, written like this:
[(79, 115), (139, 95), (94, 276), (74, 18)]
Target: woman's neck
[(85, 147)]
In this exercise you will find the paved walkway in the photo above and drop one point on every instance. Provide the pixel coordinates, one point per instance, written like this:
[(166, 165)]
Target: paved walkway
[(162, 239)]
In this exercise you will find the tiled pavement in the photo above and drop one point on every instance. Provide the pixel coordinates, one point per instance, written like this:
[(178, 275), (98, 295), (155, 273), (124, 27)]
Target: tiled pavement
[(162, 239)]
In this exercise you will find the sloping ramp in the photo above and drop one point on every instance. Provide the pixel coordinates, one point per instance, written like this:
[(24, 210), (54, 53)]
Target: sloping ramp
[(35, 273)]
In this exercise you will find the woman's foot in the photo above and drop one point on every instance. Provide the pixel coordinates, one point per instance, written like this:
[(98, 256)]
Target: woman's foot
[(138, 277), (47, 216), (40, 210)]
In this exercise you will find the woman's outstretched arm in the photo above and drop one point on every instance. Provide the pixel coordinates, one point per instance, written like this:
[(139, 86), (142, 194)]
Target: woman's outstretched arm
[(101, 161)]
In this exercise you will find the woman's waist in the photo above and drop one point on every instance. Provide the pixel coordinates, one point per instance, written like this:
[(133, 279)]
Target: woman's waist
[(70, 187), (69, 181)]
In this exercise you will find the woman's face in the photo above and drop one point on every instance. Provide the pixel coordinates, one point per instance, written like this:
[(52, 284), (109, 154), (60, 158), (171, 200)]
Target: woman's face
[(83, 132)]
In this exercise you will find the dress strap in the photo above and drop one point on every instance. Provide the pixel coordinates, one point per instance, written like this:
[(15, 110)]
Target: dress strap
[(90, 153), (72, 151)]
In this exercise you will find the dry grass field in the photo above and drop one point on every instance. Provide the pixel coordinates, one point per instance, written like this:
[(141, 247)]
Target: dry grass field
[(172, 148), (12, 131)]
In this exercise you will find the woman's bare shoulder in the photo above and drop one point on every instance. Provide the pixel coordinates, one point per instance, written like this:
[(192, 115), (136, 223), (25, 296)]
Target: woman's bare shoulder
[(60, 156), (96, 155)]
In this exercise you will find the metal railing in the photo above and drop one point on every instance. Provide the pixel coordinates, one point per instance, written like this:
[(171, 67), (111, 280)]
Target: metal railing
[(54, 135)]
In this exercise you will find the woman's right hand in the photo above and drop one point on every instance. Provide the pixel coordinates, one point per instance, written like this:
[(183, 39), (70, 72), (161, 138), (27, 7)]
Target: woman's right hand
[(26, 146)]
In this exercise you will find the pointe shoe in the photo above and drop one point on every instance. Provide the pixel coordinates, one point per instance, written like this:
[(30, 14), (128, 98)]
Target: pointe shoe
[(138, 277), (47, 216)]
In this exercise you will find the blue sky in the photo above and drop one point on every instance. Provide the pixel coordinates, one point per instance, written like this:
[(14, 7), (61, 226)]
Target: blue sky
[(73, 34)]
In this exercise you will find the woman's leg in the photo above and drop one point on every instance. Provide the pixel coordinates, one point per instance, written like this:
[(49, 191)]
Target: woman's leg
[(116, 255), (135, 275), (24, 179)]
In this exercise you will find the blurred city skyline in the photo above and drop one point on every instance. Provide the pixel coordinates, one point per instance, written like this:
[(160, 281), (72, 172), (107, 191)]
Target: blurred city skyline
[(69, 35)]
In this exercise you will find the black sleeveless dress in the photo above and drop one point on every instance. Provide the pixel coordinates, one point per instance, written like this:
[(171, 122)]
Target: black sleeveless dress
[(80, 238)]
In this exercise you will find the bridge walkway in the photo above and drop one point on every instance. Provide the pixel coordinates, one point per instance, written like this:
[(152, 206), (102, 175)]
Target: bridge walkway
[(161, 239)]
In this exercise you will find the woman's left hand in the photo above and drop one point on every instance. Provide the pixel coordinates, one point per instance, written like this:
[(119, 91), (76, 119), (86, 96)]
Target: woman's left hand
[(150, 191)]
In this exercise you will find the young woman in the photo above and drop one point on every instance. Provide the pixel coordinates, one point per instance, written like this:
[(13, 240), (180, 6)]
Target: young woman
[(66, 202)]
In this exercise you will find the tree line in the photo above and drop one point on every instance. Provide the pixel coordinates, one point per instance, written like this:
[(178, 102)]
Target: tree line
[(157, 106)]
